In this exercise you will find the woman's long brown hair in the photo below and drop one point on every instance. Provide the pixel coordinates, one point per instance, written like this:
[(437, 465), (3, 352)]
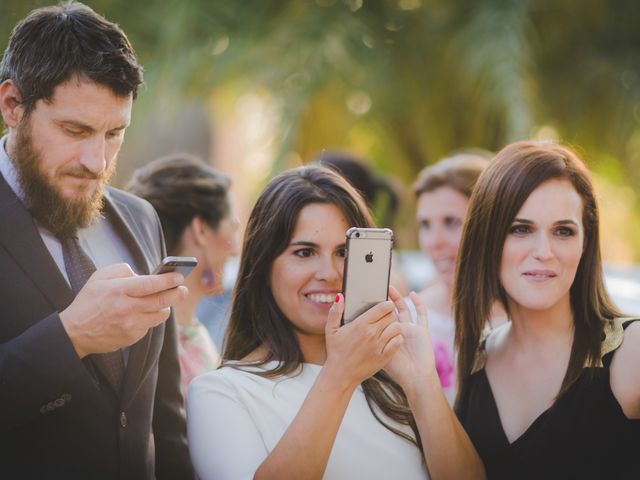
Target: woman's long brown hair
[(256, 319), (502, 189)]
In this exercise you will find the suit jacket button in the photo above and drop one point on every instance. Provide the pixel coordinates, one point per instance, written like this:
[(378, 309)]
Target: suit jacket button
[(123, 419)]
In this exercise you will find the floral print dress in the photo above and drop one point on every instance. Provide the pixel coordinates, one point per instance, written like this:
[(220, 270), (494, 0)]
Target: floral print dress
[(197, 353)]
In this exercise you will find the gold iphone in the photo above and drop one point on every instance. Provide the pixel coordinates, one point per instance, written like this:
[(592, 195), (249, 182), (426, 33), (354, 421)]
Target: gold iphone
[(367, 265)]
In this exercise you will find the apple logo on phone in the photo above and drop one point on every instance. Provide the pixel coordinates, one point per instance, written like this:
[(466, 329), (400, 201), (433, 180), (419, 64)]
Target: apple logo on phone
[(368, 257)]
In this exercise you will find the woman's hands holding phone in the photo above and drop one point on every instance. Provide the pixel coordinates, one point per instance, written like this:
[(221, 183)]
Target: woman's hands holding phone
[(414, 360), (384, 337), (359, 349)]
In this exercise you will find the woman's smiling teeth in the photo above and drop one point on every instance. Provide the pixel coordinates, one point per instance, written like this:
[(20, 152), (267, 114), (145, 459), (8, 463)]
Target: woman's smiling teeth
[(540, 274), (321, 297)]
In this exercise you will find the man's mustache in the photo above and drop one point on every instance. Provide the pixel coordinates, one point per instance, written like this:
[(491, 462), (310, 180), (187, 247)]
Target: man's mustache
[(84, 172)]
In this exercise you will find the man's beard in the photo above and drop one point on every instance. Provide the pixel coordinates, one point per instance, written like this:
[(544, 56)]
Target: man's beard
[(61, 216)]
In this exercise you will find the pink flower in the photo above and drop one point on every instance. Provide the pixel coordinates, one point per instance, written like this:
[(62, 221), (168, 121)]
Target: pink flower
[(444, 364)]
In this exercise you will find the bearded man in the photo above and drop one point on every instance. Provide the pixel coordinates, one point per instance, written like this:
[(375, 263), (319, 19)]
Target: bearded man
[(89, 375)]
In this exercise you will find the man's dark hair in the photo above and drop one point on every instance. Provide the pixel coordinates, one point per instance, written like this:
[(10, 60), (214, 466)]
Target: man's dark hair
[(53, 44)]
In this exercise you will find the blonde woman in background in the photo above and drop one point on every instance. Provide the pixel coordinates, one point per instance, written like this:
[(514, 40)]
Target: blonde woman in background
[(442, 195)]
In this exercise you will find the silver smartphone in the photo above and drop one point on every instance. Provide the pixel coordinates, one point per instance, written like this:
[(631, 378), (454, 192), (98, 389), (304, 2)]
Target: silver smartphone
[(182, 265), (367, 265)]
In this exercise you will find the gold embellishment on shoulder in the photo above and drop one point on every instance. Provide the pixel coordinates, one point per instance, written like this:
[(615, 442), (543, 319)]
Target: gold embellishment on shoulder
[(613, 336), (481, 354), (480, 360)]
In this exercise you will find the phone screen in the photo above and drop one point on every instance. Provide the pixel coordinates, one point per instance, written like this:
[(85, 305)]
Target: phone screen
[(367, 265)]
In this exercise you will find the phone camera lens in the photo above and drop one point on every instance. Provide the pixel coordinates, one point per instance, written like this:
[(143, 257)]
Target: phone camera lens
[(357, 234)]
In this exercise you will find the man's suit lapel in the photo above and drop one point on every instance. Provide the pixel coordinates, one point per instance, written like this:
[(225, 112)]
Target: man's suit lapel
[(124, 222), (20, 237)]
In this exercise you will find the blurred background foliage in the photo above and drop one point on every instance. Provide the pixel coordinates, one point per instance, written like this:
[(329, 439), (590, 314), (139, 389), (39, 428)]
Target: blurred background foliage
[(256, 86)]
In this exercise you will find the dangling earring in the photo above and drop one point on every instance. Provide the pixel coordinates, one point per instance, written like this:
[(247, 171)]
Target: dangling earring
[(208, 279)]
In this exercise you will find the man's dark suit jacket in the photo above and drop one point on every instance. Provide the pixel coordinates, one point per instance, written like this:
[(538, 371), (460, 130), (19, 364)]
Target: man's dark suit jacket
[(58, 418)]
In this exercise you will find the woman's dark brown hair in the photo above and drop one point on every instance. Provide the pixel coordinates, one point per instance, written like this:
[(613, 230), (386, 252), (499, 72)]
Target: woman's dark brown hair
[(502, 189), (181, 187), (256, 320)]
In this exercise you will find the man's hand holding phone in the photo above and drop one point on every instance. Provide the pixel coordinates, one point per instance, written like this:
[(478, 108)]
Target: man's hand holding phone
[(116, 308)]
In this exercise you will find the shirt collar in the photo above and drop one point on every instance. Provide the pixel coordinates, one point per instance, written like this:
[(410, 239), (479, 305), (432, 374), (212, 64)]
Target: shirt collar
[(9, 171)]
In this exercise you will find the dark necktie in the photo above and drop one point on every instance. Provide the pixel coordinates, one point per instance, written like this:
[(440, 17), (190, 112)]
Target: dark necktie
[(79, 268)]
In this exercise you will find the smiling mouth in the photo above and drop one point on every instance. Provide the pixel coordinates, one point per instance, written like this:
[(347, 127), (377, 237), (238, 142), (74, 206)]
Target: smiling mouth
[(326, 298), (539, 275)]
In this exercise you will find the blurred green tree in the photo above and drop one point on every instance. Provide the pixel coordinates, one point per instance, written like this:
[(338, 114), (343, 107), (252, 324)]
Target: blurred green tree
[(403, 81)]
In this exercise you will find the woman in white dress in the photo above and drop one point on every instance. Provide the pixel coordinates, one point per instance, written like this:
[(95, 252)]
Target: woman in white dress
[(298, 395)]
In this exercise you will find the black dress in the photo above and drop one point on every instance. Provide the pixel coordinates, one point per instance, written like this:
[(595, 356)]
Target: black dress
[(583, 435)]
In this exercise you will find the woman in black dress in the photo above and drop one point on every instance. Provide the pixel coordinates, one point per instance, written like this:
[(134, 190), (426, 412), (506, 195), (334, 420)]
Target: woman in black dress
[(555, 392)]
